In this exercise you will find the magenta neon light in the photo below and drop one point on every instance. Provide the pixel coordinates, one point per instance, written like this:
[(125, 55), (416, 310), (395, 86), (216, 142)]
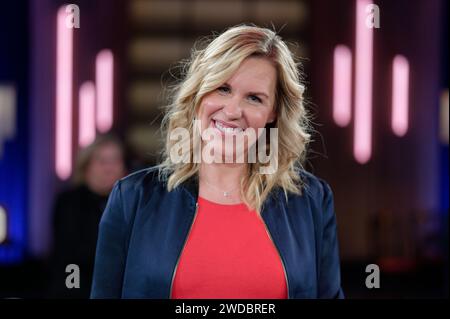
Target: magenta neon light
[(400, 91), (363, 85), (342, 85), (104, 84), (86, 125), (64, 65)]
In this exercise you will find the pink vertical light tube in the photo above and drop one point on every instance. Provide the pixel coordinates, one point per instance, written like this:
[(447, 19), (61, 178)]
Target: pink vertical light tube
[(86, 127), (104, 84), (64, 71), (342, 85), (363, 85), (400, 92)]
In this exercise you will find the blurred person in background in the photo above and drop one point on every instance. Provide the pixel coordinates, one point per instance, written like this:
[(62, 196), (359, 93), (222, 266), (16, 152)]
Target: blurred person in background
[(77, 213)]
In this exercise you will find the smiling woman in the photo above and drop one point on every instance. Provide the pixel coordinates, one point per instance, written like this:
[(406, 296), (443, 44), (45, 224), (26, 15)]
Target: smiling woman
[(245, 78), (223, 229), (245, 102)]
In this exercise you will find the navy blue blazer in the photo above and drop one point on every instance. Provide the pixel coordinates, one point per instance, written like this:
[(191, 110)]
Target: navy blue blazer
[(144, 228)]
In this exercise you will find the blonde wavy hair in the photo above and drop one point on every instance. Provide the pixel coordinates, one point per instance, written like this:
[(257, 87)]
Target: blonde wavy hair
[(210, 67)]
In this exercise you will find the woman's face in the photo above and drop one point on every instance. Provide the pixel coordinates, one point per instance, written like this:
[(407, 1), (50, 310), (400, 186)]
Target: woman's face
[(244, 102)]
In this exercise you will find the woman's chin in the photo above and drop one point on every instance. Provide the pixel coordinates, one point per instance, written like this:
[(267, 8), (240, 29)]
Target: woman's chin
[(234, 157)]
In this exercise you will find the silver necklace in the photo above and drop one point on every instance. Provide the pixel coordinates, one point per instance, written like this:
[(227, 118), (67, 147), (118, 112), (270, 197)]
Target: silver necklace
[(225, 193)]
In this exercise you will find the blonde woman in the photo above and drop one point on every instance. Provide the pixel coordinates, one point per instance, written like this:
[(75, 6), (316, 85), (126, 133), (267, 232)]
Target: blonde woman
[(207, 224)]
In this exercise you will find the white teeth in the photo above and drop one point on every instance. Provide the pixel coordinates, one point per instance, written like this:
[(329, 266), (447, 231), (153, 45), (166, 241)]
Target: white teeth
[(227, 129)]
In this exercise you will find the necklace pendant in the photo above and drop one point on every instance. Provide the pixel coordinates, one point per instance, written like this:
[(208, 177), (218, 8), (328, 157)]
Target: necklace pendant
[(225, 194)]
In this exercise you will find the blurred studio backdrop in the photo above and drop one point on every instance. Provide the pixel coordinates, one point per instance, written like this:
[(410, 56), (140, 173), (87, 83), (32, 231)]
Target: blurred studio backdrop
[(81, 107)]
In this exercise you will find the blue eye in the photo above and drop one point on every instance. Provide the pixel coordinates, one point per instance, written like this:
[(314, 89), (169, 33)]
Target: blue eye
[(254, 98), (224, 89)]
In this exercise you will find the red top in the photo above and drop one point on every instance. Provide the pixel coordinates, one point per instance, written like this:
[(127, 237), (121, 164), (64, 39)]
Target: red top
[(228, 255)]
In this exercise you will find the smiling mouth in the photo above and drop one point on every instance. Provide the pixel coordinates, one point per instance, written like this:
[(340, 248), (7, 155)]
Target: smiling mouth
[(226, 129)]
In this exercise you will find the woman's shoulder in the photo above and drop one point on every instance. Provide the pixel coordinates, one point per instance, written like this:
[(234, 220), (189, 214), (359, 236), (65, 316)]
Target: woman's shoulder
[(314, 186), (142, 178), (316, 197), (133, 189)]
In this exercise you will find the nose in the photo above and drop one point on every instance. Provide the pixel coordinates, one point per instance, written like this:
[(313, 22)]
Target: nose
[(232, 109)]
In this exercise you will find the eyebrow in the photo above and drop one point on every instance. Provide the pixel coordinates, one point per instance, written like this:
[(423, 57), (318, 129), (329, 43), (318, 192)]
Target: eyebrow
[(252, 93)]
